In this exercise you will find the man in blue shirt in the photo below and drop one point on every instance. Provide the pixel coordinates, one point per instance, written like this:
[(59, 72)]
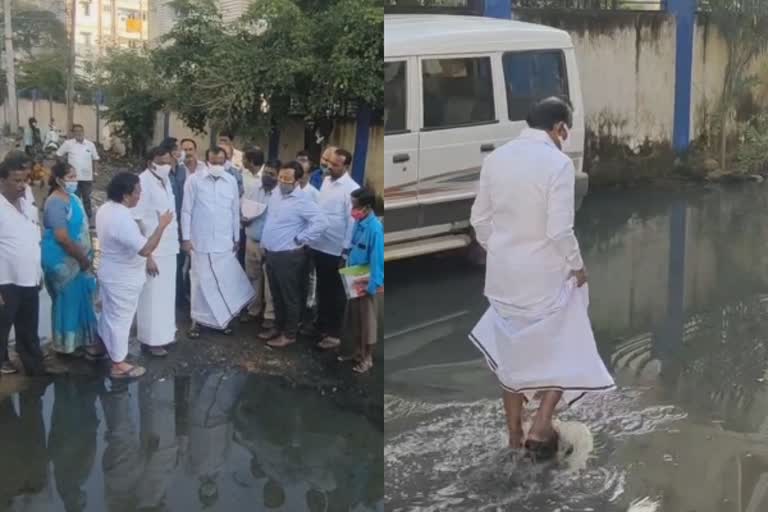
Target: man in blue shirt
[(367, 250), (293, 222)]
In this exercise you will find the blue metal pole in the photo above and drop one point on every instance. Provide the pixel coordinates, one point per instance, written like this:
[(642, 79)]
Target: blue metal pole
[(362, 135), (498, 9), (684, 12)]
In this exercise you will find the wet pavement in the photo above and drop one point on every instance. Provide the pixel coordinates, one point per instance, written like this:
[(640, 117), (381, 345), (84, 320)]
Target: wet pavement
[(218, 440), (679, 303)]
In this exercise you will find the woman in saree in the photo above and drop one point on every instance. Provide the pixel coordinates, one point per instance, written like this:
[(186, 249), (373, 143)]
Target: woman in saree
[(67, 265)]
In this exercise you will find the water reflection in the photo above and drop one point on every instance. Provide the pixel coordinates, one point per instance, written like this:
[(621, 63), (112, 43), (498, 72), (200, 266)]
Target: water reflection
[(218, 440), (679, 304)]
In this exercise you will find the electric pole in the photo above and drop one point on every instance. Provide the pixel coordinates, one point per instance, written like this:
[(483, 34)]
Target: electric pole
[(71, 65), (10, 71)]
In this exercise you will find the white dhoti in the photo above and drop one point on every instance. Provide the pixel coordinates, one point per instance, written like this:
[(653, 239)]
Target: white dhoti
[(220, 288), (556, 351), (119, 300), (156, 317)]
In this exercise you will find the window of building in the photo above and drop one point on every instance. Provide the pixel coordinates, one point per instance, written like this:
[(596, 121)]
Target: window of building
[(395, 97), (532, 76), (457, 92), (86, 8)]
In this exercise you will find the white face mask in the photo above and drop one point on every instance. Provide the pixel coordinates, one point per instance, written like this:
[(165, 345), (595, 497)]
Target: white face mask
[(163, 170), (216, 170)]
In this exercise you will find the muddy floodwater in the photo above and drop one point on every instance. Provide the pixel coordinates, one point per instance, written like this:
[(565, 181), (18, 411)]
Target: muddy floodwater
[(214, 440), (679, 303)]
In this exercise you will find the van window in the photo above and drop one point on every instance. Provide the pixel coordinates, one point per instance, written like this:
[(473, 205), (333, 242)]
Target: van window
[(395, 103), (533, 76), (457, 92)]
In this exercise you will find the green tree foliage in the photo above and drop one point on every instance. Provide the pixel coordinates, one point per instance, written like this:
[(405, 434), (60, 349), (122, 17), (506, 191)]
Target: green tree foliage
[(46, 72), (130, 83), (743, 24), (35, 28), (284, 57)]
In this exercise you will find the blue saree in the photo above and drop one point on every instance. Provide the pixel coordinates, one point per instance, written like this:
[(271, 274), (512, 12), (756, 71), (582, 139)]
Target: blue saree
[(72, 291)]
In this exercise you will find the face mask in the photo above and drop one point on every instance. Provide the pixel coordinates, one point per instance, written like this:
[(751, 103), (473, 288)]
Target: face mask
[(70, 186), (163, 170), (286, 188), (216, 170), (359, 214), (268, 182)]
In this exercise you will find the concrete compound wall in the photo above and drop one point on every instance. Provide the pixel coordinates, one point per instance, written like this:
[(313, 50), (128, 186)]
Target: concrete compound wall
[(292, 141), (291, 134), (627, 68)]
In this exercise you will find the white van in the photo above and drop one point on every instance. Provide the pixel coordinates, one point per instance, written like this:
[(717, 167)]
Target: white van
[(456, 88)]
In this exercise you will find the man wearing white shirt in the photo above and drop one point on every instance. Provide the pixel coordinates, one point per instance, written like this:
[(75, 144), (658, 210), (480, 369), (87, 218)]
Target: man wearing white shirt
[(210, 229), (20, 266), (156, 316), (82, 155), (258, 189), (329, 251), (536, 335)]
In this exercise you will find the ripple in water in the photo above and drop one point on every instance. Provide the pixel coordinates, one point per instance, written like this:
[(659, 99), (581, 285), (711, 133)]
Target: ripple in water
[(453, 456)]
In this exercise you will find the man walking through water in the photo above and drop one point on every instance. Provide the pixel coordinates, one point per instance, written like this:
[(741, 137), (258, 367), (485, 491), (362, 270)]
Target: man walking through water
[(536, 336)]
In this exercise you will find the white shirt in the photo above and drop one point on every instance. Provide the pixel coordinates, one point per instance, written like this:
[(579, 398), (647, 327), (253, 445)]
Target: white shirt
[(523, 216), (81, 156), (210, 216), (336, 202), (313, 193), (120, 241), (20, 257), (157, 199)]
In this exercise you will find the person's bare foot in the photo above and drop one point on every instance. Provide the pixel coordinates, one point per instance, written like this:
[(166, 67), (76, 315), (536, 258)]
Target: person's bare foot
[(516, 436)]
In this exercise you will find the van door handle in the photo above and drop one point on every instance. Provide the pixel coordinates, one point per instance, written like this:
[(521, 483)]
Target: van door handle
[(487, 148), (400, 158)]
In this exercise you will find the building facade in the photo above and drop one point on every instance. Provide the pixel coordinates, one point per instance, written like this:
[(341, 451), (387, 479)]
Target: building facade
[(162, 16), (104, 24)]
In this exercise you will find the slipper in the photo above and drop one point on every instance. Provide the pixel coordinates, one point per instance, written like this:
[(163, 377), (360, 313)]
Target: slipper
[(329, 343), (134, 373), (227, 331), (347, 358), (362, 367), (268, 335), (96, 356), (194, 333)]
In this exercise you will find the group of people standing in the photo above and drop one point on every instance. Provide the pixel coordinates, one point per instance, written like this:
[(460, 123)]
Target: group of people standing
[(233, 236)]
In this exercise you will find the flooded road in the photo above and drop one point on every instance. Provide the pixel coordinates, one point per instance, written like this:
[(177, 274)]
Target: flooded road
[(215, 441), (679, 303)]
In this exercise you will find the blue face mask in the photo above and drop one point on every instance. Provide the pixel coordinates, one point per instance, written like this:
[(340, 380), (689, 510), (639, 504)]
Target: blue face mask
[(70, 186)]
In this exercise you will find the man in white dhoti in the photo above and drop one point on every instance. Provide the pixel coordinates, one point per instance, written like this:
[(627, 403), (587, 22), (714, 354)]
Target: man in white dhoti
[(536, 336), (210, 229), (123, 268), (156, 317)]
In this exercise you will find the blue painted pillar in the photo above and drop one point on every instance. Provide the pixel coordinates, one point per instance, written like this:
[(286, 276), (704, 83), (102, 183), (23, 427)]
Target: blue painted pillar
[(362, 134), (498, 9), (684, 12)]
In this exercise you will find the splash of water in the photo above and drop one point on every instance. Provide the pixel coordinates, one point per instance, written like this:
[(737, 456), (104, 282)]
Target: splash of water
[(452, 456)]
